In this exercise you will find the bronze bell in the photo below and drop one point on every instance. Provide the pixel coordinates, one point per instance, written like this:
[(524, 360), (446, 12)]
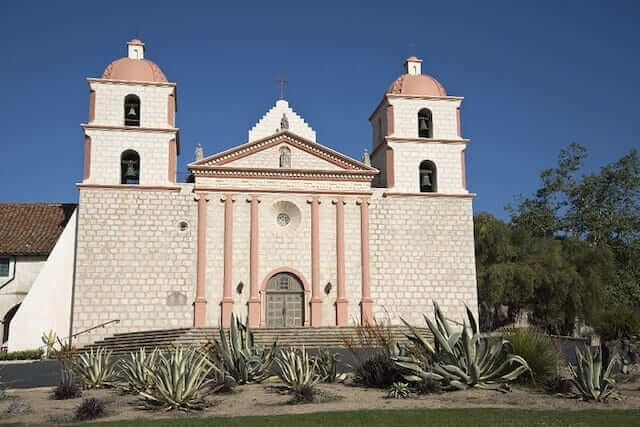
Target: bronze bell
[(426, 179), (131, 171), (423, 124), (132, 112)]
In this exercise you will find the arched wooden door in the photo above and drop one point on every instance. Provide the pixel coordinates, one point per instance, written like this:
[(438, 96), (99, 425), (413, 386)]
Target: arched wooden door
[(285, 301)]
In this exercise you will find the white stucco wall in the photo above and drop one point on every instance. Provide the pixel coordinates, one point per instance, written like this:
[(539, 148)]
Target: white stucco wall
[(48, 303), (270, 123)]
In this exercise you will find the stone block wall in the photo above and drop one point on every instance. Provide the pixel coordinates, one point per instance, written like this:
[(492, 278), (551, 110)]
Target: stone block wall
[(444, 117), (134, 263), (422, 250), (251, 184)]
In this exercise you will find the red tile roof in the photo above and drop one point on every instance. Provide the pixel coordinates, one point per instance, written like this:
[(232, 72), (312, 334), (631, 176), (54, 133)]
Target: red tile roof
[(32, 228)]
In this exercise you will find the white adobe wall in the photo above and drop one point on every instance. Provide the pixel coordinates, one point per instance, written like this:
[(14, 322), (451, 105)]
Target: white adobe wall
[(47, 305), (422, 250), (107, 147), (23, 271), (407, 157), (270, 123), (109, 103), (270, 158), (444, 117), (281, 184)]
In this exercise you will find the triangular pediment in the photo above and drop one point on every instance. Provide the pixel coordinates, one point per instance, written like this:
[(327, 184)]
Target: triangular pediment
[(264, 155)]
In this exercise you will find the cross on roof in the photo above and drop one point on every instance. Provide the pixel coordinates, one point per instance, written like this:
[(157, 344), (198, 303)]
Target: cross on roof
[(283, 81)]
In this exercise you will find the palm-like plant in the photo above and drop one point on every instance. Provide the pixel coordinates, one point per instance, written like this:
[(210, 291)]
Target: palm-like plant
[(95, 368), (178, 381), (460, 360), (591, 381), (136, 371), (297, 369), (241, 358)]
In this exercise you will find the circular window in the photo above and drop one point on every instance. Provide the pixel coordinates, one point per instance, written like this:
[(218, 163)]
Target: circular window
[(283, 219)]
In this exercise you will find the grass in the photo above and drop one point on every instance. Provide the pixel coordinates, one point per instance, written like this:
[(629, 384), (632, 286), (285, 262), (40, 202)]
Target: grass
[(421, 417)]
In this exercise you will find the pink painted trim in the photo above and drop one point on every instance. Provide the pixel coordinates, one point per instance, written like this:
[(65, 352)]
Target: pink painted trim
[(134, 187), (367, 302), (227, 298), (342, 304), (390, 123), (128, 82), (428, 195), (281, 174), (428, 140), (200, 304), (316, 297), (172, 160), (92, 105), (459, 122), (463, 163), (87, 157), (389, 163), (171, 108), (278, 190), (254, 248), (265, 283), (129, 128)]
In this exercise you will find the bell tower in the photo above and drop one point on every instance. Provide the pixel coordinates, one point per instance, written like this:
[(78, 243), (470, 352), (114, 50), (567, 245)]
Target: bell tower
[(417, 141), (130, 137)]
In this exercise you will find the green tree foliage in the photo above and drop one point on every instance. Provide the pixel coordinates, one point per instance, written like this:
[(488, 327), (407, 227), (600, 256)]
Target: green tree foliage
[(570, 247)]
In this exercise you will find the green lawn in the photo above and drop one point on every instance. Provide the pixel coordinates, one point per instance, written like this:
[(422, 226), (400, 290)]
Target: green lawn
[(424, 417)]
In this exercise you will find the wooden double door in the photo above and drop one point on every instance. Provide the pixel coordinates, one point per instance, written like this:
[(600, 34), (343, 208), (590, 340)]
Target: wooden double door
[(285, 301)]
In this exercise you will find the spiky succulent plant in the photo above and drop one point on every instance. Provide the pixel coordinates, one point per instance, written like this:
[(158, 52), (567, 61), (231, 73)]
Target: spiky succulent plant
[(178, 380), (135, 371), (399, 390), (460, 359), (297, 368), (589, 378), (96, 368), (326, 365), (241, 358)]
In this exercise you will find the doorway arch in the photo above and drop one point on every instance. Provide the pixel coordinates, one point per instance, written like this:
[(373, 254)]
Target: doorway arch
[(6, 323), (284, 299)]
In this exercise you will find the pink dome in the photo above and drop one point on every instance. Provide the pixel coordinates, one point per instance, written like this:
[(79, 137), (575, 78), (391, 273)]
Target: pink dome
[(417, 84), (138, 70)]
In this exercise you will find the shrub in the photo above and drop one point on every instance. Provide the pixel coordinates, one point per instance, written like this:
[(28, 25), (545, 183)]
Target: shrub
[(240, 357), (618, 322), (22, 355), (398, 390), (135, 372), (461, 360), (538, 350), (19, 406), (378, 371), (179, 380), (297, 369), (326, 365), (558, 385), (49, 340), (90, 409), (96, 368), (303, 393), (589, 379), (68, 387), (427, 386)]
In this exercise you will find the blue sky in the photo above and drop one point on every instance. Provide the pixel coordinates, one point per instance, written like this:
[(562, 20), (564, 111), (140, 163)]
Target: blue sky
[(536, 76)]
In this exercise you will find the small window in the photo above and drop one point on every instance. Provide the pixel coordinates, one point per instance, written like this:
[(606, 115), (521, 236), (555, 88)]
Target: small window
[(283, 282), (4, 267), (428, 177), (285, 157), (130, 167), (425, 124), (131, 110)]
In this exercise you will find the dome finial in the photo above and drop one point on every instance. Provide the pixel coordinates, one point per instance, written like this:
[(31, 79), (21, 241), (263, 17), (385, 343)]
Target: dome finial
[(413, 66), (136, 49)]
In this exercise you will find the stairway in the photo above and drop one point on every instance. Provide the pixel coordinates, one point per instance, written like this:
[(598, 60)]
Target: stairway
[(322, 337)]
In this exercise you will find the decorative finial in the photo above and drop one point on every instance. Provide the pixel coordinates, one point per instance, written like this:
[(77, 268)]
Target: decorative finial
[(366, 158), (284, 122), (283, 81), (199, 152)]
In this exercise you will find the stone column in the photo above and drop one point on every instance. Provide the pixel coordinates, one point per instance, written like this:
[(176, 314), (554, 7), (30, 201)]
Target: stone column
[(200, 304), (366, 305), (316, 298), (342, 304), (254, 297), (227, 297)]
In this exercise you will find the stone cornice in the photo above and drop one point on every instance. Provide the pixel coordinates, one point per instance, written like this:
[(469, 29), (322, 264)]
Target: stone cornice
[(129, 128), (428, 140), (132, 187), (125, 82), (428, 195), (282, 173), (258, 191)]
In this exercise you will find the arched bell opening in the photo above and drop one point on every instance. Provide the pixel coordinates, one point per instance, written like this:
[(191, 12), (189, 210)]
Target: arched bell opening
[(425, 123), (130, 167), (131, 110), (428, 177)]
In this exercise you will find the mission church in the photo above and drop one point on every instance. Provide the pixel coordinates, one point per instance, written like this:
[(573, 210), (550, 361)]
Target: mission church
[(281, 230)]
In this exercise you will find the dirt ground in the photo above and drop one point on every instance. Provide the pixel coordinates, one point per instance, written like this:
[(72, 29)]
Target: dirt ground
[(263, 399)]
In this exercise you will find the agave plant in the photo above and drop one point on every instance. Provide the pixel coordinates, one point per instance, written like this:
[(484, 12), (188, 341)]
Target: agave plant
[(297, 369), (460, 359), (399, 390), (96, 368), (241, 358), (589, 379), (135, 372), (327, 366), (178, 381), (49, 341)]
